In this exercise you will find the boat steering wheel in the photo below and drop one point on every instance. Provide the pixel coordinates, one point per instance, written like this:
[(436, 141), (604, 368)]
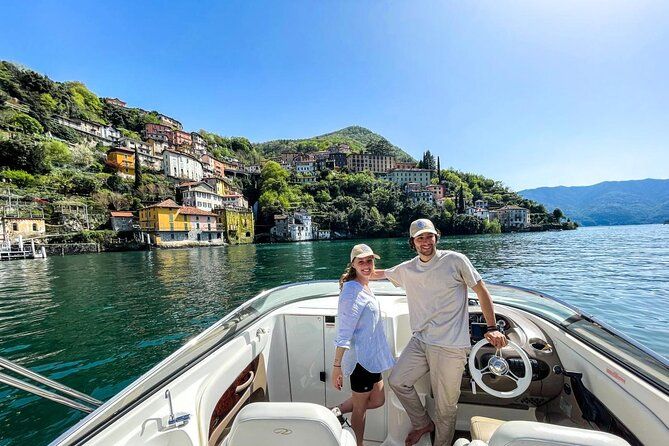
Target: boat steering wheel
[(498, 366)]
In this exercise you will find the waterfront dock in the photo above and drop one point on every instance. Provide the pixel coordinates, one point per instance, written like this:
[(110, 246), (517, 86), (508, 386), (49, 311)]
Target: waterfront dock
[(20, 251)]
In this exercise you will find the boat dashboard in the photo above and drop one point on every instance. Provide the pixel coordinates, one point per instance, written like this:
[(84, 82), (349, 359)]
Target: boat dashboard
[(520, 329)]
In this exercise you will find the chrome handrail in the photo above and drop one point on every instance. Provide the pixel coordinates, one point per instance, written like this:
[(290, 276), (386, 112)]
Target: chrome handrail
[(26, 373), (14, 382)]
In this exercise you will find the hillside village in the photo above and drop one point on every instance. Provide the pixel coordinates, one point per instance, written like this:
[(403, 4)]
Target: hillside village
[(75, 167)]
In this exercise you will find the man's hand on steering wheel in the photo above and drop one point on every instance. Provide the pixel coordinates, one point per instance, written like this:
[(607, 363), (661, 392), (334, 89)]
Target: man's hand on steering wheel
[(496, 338)]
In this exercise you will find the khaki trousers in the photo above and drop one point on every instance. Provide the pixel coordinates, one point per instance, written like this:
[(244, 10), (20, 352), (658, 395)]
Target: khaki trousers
[(445, 365)]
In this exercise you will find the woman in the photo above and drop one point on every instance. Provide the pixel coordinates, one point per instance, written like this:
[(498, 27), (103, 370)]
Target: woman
[(362, 350)]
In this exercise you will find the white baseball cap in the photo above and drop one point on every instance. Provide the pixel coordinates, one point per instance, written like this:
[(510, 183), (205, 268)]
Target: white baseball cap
[(362, 250), (421, 226)]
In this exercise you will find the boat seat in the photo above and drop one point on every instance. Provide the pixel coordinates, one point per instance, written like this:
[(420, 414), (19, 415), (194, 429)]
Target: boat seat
[(482, 428), (287, 424), (526, 433)]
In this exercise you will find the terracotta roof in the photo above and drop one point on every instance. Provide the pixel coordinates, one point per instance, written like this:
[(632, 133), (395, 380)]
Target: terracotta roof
[(190, 210), (169, 203), (121, 214)]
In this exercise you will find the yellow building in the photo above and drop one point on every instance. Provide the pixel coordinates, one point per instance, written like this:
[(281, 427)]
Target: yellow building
[(222, 185), (122, 160), (237, 224), (164, 222), (168, 222)]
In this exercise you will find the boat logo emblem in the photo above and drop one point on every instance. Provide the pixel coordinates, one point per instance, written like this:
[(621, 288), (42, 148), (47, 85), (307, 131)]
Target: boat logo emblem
[(283, 431)]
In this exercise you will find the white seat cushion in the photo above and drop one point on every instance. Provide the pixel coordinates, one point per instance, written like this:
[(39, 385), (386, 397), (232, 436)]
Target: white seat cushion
[(287, 424), (526, 433), (531, 433)]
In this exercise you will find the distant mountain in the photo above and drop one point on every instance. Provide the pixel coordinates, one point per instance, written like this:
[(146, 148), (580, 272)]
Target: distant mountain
[(608, 203), (358, 138)]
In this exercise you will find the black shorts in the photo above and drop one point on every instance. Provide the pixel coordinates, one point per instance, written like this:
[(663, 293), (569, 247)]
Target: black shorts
[(363, 380)]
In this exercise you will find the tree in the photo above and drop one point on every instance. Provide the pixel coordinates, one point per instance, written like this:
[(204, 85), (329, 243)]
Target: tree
[(35, 82), (379, 146), (56, 152), (390, 223), (18, 177), (81, 184), (138, 169), (26, 124), (558, 215), (461, 200), (428, 161), (449, 206), (48, 102), (323, 196), (118, 184), (23, 154), (86, 104), (273, 172), (477, 193), (62, 132), (467, 224), (376, 226)]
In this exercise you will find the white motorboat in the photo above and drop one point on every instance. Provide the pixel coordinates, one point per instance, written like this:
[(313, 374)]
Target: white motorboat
[(259, 376)]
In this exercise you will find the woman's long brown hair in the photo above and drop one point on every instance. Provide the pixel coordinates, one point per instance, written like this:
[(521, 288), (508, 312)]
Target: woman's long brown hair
[(349, 274)]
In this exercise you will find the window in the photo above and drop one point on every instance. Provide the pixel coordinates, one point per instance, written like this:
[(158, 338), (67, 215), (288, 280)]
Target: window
[(15, 226), (34, 226)]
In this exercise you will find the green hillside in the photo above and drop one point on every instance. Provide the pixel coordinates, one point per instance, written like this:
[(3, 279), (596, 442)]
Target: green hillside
[(360, 139), (46, 162)]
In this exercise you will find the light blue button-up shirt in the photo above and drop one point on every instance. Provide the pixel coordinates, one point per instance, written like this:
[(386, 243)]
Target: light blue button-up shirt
[(360, 330)]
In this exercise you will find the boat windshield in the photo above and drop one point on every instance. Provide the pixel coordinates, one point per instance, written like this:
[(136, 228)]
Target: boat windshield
[(645, 363)]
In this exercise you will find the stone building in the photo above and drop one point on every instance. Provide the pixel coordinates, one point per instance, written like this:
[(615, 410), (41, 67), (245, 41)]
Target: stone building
[(296, 227), (122, 220), (27, 227), (512, 217), (359, 162), (236, 223), (403, 176)]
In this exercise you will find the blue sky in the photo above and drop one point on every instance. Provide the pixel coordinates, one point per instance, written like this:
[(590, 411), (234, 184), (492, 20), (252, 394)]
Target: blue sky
[(533, 93)]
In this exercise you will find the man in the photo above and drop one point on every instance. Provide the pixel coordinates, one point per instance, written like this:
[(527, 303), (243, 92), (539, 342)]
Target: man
[(436, 284)]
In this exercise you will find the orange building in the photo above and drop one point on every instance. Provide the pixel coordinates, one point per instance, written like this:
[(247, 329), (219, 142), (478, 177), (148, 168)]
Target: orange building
[(215, 166), (156, 131), (180, 138), (122, 160)]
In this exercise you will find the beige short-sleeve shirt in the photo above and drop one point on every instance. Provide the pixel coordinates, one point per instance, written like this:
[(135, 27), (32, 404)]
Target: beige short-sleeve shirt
[(437, 296)]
